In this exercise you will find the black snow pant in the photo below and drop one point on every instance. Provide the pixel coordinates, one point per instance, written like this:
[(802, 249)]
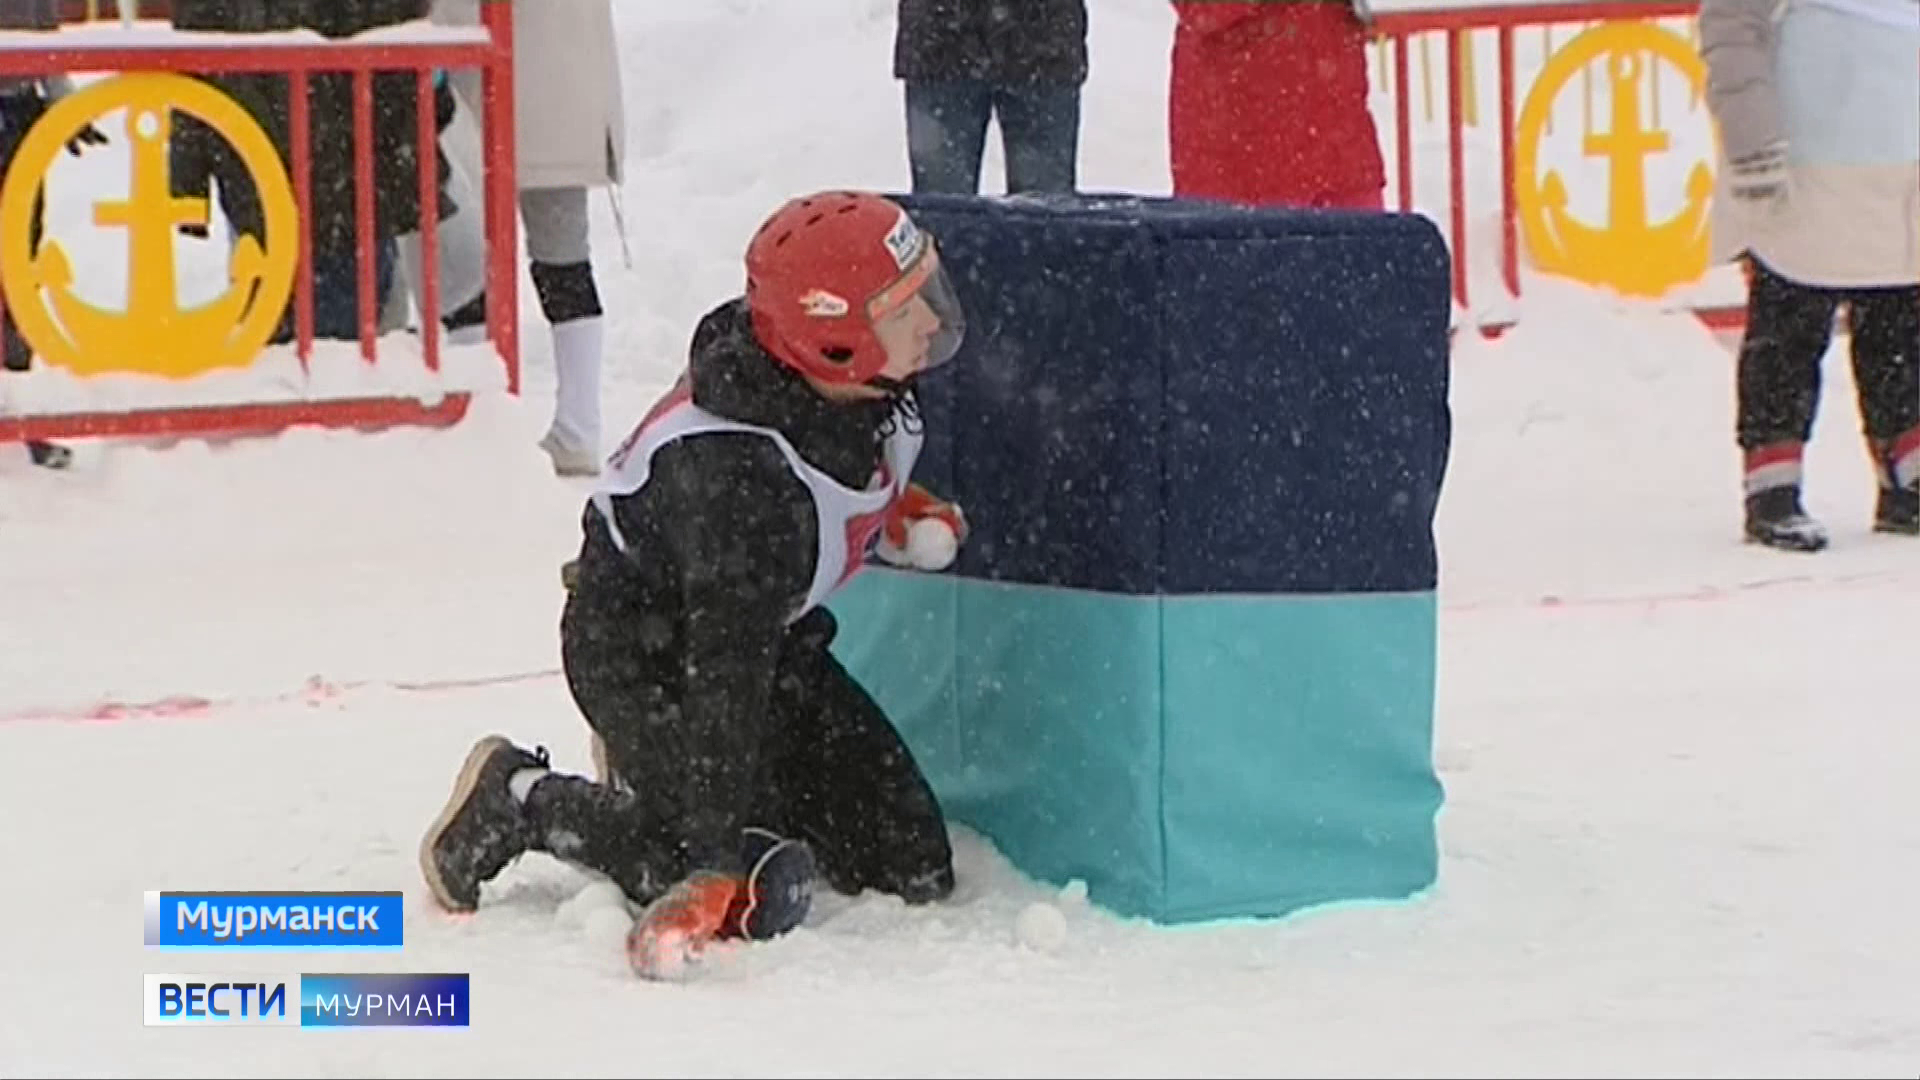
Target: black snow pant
[(832, 771), (1789, 328), (19, 111)]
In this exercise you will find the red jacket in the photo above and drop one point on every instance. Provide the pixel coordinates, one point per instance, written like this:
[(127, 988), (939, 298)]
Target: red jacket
[(1269, 105)]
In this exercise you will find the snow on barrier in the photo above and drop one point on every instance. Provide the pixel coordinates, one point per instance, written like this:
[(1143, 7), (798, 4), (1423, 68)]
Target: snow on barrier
[(154, 333), (1187, 654)]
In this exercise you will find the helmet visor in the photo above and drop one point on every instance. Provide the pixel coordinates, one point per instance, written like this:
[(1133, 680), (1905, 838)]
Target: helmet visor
[(918, 318)]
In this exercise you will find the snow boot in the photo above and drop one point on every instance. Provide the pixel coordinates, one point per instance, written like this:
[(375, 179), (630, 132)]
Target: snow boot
[(1897, 465), (1775, 518), (49, 455), (483, 826), (1898, 511)]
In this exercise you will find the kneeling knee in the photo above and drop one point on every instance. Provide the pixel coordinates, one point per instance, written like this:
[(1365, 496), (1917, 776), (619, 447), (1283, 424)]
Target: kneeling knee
[(927, 887)]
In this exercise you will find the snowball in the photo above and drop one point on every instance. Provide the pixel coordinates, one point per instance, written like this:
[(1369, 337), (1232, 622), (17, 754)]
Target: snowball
[(931, 544), (1041, 927), (605, 930), (594, 898)]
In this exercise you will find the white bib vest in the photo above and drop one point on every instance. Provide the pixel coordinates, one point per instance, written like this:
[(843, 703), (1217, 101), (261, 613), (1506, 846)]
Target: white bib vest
[(848, 520)]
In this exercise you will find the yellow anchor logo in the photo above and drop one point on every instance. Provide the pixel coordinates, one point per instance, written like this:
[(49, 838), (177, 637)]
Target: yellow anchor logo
[(154, 335), (1631, 254)]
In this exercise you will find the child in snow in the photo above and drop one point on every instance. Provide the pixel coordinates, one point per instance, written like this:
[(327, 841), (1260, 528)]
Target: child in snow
[(737, 756), (1818, 106)]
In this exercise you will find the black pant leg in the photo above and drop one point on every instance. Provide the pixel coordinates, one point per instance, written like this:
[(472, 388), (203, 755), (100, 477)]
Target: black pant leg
[(1040, 131), (631, 826), (1886, 368), (15, 353), (18, 113), (846, 782), (947, 134), (1789, 327)]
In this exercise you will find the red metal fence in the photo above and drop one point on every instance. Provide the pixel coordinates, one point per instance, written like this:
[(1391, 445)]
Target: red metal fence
[(488, 49), (491, 52), (1457, 25)]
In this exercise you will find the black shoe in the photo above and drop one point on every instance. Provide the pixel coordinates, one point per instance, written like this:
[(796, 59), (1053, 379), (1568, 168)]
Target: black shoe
[(1776, 519), (482, 828), (49, 455), (1898, 511)]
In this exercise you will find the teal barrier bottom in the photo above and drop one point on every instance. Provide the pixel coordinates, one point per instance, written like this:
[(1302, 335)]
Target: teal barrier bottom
[(1190, 758)]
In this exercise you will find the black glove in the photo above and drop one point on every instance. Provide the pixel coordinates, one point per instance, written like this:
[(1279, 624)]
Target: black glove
[(89, 136)]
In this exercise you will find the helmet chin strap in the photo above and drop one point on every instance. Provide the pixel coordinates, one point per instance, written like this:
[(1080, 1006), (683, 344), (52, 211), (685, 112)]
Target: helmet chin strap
[(895, 388), (903, 407)]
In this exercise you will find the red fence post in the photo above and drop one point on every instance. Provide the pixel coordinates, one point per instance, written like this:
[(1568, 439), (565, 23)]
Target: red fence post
[(1403, 121), (300, 122), (503, 241), (1457, 165), (363, 209)]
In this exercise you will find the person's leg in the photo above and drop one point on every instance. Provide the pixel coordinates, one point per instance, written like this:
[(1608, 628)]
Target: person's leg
[(1789, 326), (627, 829), (1040, 132), (946, 135), (1886, 371), (507, 801), (19, 354), (336, 298), (555, 220), (460, 240), (846, 783)]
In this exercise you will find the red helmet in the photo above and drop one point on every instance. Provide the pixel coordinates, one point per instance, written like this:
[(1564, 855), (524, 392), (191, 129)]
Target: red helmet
[(825, 268)]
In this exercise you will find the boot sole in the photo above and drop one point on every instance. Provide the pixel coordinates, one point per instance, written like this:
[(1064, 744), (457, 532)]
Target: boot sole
[(463, 785), (1804, 547)]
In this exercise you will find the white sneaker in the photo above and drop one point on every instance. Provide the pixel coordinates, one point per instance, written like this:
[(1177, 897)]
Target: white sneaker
[(569, 460), (575, 431)]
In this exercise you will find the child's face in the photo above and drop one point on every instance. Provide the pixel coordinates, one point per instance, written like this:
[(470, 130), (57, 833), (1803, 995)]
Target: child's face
[(907, 333)]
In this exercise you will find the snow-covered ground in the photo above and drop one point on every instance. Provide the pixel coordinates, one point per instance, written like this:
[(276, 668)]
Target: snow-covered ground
[(1679, 834)]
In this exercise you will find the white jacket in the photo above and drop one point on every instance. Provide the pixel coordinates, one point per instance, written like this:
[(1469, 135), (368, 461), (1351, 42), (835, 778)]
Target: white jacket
[(1839, 82), (569, 110)]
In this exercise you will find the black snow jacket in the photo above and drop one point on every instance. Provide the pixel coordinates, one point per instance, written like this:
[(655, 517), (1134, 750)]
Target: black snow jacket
[(1004, 42), (199, 156), (687, 627)]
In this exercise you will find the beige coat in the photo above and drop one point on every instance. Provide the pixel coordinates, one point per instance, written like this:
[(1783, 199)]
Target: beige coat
[(569, 108), (1839, 82)]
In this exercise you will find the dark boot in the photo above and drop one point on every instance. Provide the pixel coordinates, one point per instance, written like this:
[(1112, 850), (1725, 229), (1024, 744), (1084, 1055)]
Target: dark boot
[(1897, 464), (1898, 511), (49, 455), (1775, 518), (482, 828)]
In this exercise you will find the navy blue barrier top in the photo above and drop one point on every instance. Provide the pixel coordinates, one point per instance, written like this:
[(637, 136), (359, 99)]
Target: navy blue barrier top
[(1161, 396)]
